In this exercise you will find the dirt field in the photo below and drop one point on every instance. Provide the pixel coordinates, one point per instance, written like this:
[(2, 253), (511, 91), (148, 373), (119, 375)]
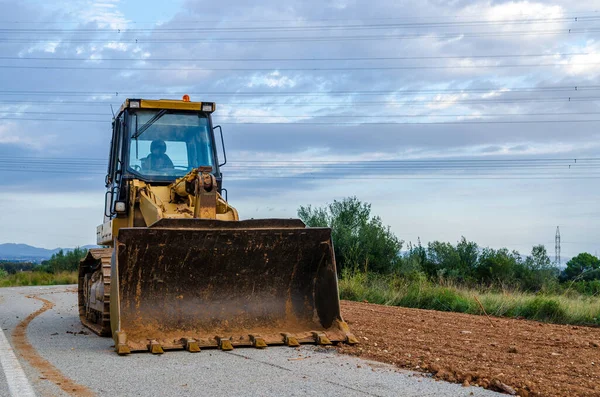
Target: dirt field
[(515, 356)]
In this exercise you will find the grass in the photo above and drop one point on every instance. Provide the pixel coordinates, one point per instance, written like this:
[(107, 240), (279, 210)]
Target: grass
[(22, 279), (422, 294)]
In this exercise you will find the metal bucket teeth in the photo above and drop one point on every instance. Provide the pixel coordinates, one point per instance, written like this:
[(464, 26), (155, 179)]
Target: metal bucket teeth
[(258, 342), (351, 339), (224, 343), (122, 350), (155, 348), (121, 346), (321, 338), (290, 340), (191, 345)]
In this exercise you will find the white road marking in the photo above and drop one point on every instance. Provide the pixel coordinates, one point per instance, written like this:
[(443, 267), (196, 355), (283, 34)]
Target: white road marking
[(18, 385)]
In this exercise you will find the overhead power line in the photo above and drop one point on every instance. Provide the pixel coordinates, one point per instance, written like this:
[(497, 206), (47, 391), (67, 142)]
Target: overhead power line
[(354, 104), (419, 123), (574, 121), (398, 91), (526, 160), (143, 40), (306, 69), (403, 102), (317, 116), (572, 14), (350, 177), (474, 169), (532, 164), (149, 59), (362, 26), (579, 170)]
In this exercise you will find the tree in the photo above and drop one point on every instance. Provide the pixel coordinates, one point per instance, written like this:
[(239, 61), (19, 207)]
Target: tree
[(539, 259), (455, 262), (413, 261), (538, 271), (442, 258), (360, 240), (497, 266), (468, 253), (583, 267), (62, 261)]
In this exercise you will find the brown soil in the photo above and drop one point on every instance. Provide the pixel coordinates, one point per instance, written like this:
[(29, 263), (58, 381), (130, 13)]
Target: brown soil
[(47, 370), (509, 355)]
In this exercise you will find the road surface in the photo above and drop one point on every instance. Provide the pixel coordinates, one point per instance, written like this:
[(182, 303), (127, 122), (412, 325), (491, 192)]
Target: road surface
[(54, 355)]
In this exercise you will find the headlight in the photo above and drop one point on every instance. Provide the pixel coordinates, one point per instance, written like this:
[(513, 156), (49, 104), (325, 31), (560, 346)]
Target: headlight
[(120, 207)]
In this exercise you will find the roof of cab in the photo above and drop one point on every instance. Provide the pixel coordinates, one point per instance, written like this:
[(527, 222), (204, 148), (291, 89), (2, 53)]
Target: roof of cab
[(174, 104)]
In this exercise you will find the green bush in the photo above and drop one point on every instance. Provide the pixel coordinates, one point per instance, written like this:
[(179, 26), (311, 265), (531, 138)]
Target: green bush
[(591, 287), (427, 296), (14, 267), (543, 309)]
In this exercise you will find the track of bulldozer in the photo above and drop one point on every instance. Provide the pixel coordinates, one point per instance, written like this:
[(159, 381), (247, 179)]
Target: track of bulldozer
[(96, 264)]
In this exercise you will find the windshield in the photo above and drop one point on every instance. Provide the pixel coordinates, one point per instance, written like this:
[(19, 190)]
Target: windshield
[(167, 143)]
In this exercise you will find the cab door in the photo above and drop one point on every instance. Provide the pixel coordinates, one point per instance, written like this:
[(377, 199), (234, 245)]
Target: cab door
[(114, 175)]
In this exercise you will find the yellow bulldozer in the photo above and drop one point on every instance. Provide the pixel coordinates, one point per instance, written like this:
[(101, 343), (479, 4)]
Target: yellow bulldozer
[(180, 270)]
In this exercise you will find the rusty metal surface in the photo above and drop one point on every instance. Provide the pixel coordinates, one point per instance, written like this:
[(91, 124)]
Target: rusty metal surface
[(205, 192), (191, 280), (212, 224)]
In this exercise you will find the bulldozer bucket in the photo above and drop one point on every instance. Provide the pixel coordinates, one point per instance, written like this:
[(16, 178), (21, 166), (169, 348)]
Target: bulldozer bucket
[(195, 283)]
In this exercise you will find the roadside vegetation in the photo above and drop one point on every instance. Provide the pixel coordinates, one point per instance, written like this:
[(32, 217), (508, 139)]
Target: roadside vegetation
[(60, 269), (375, 266)]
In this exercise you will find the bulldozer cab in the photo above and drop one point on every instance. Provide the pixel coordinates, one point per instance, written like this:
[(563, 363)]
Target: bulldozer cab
[(159, 141)]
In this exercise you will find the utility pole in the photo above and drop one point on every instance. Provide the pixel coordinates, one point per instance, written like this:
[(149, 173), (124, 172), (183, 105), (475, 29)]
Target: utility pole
[(557, 247)]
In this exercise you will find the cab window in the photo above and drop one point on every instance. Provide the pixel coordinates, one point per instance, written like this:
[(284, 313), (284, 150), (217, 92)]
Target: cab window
[(169, 143)]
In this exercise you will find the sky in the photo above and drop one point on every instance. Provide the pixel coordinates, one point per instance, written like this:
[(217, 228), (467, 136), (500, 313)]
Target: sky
[(464, 118)]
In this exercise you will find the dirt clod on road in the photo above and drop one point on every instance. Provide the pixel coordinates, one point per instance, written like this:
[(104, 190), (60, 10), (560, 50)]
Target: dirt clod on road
[(519, 357)]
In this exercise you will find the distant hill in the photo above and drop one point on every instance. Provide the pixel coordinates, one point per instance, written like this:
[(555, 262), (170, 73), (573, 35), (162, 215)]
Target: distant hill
[(24, 252)]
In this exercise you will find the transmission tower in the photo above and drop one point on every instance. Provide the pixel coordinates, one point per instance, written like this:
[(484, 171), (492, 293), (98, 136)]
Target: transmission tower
[(557, 247)]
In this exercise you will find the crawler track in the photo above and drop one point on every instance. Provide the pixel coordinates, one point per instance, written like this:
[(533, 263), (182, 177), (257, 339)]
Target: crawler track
[(95, 265)]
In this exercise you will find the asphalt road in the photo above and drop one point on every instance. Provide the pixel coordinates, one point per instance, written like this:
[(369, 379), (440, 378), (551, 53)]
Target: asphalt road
[(60, 358)]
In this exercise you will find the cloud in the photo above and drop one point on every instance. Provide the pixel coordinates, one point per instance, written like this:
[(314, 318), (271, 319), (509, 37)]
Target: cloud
[(271, 80), (461, 88), (9, 135), (584, 64), (503, 11), (104, 14)]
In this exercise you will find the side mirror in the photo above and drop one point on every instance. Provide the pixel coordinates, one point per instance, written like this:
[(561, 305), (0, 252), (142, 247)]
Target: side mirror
[(222, 145)]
